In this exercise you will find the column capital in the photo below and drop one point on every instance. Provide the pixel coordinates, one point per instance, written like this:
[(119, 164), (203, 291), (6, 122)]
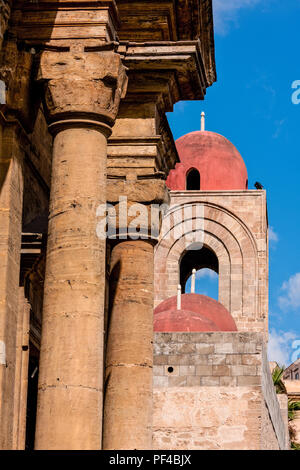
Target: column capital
[(82, 88), (135, 208)]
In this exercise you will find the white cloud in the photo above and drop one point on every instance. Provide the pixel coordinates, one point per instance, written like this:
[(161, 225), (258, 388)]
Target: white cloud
[(226, 12), (208, 273), (280, 347), (291, 297), (273, 237)]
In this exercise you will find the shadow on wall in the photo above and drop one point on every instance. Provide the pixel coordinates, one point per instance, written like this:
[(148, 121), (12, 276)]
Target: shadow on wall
[(4, 167), (113, 283)]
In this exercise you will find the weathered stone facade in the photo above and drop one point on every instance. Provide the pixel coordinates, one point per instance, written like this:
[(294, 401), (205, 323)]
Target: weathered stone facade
[(211, 392), (85, 87), (65, 67)]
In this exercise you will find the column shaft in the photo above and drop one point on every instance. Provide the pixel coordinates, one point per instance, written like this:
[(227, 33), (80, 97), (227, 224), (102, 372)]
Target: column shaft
[(21, 371), (11, 201), (69, 414), (129, 355)]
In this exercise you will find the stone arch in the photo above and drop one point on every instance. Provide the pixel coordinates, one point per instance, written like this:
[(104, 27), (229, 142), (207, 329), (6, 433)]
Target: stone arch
[(236, 250), (196, 259)]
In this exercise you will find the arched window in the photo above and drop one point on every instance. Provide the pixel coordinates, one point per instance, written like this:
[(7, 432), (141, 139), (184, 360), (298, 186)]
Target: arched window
[(193, 180), (206, 264)]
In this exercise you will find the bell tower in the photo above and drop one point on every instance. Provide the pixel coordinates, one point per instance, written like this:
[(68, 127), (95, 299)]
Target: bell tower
[(211, 202), (212, 384)]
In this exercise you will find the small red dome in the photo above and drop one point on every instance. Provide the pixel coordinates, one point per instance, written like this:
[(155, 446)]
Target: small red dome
[(219, 163), (182, 320), (198, 313)]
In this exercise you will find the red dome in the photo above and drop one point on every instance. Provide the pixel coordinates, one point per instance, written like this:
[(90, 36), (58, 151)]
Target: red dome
[(198, 313), (219, 163), (182, 320)]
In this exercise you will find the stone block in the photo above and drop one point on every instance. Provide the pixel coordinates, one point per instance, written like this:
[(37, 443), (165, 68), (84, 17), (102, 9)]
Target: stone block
[(200, 359), (243, 370), (178, 359), (221, 370), (159, 381), (158, 370), (202, 348), (225, 348), (160, 360), (210, 381), (234, 359), (185, 348), (176, 381), (193, 381), (228, 381), (251, 359), (183, 337), (248, 381), (204, 370), (187, 370), (217, 359)]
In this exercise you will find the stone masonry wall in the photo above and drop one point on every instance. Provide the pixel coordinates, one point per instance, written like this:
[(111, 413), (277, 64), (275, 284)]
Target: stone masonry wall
[(207, 359), (206, 418), (208, 393)]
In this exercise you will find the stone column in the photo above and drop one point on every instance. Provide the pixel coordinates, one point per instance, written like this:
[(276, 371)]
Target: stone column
[(21, 370), (129, 357), (82, 99), (129, 348), (11, 201)]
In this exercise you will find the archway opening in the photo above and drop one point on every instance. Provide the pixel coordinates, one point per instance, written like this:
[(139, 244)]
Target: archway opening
[(206, 265), (193, 180)]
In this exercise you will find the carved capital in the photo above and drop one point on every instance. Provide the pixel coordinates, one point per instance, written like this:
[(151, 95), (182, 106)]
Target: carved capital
[(82, 86), (135, 209), (146, 191)]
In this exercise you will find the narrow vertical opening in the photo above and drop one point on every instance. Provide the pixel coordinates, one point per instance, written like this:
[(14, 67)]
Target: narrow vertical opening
[(193, 180)]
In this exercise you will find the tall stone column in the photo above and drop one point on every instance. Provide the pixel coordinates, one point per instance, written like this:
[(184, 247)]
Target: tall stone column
[(82, 98), (129, 347), (129, 357), (21, 371), (11, 201)]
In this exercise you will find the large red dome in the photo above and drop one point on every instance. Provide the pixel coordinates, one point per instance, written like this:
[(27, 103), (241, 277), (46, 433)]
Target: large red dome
[(219, 163), (198, 313)]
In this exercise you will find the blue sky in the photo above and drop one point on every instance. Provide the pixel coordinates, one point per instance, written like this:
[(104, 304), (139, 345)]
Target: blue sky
[(251, 104)]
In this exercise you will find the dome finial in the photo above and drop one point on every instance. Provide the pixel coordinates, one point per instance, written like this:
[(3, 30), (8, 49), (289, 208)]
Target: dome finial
[(193, 281), (179, 297), (203, 121)]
